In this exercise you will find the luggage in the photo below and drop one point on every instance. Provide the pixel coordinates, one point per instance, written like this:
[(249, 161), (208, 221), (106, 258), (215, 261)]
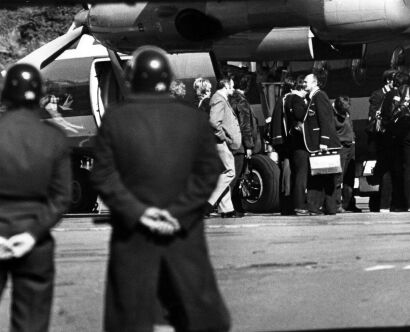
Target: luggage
[(325, 163)]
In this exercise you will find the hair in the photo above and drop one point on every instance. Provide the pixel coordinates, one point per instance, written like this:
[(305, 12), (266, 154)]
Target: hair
[(177, 89), (202, 86), (242, 82), (400, 78), (288, 83), (223, 81), (389, 74), (342, 104), (320, 76)]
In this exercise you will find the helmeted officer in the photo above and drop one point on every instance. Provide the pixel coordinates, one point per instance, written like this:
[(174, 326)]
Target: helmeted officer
[(156, 165), (35, 189)]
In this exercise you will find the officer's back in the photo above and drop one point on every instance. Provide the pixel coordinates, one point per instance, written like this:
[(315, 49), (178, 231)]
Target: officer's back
[(31, 163), (165, 134), (35, 189), (27, 149)]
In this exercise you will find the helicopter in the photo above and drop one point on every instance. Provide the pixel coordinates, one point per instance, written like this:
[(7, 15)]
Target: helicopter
[(354, 38)]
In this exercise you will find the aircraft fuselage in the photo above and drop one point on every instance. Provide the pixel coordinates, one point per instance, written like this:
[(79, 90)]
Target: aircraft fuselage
[(246, 26)]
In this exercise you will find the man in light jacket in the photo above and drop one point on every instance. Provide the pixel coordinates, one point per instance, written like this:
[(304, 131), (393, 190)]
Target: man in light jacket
[(228, 135)]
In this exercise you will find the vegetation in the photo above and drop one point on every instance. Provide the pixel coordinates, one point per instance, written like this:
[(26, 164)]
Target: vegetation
[(24, 29)]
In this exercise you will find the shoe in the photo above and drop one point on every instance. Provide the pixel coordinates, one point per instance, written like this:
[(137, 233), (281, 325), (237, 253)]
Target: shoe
[(302, 212), (340, 210), (316, 213), (208, 209), (398, 210), (354, 209), (384, 211), (232, 214)]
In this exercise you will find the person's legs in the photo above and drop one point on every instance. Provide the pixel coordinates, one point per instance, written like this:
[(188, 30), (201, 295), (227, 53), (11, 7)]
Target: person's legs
[(236, 197), (3, 277), (224, 180), (348, 201), (132, 282), (190, 289), (32, 289), (329, 185), (344, 155), (397, 175), (286, 204), (406, 170), (315, 193), (300, 172)]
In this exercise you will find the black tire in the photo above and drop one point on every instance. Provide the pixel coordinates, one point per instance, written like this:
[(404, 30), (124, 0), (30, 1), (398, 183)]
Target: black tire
[(265, 178), (84, 196)]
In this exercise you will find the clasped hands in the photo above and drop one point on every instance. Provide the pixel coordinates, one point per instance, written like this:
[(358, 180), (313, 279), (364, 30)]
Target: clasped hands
[(160, 221), (16, 246)]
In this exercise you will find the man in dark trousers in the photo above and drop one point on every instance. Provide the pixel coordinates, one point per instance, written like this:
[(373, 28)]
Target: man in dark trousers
[(380, 142), (156, 165), (35, 189), (320, 135)]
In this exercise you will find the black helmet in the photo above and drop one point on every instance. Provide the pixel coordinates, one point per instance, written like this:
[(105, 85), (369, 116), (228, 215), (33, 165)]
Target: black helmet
[(149, 70), (23, 86)]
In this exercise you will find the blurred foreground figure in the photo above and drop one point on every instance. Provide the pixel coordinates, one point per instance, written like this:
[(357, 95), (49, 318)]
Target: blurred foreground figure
[(35, 189), (156, 166)]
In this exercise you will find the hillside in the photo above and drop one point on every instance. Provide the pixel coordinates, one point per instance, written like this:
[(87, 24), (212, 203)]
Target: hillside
[(24, 29)]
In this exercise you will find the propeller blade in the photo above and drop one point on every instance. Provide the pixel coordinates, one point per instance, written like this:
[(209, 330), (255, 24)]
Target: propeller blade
[(50, 51)]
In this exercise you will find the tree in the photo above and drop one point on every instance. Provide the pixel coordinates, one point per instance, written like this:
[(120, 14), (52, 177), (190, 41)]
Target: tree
[(24, 29)]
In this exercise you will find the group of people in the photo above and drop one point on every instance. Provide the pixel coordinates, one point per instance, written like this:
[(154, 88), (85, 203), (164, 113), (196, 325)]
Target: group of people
[(159, 261), (389, 135), (235, 129), (158, 257), (305, 122)]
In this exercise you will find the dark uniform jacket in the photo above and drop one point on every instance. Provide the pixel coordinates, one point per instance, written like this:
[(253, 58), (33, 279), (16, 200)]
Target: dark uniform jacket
[(376, 100), (155, 156), (35, 174), (155, 151), (287, 118), (319, 124), (247, 122)]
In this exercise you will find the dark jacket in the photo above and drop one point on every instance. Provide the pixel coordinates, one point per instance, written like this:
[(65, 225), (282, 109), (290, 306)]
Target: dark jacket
[(161, 154), (344, 128), (155, 151), (35, 174), (247, 122), (204, 106), (289, 113), (376, 100), (319, 124)]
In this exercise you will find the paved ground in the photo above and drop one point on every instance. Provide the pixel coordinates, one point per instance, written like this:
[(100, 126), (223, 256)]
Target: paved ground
[(276, 273)]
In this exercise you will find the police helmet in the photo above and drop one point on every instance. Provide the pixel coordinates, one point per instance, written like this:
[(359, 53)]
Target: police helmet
[(23, 86), (149, 70)]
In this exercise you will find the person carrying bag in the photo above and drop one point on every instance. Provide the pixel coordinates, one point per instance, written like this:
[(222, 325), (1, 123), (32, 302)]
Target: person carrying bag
[(322, 143)]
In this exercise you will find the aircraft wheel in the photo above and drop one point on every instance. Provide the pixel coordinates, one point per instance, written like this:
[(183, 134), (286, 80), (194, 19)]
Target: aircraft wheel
[(263, 188), (84, 196)]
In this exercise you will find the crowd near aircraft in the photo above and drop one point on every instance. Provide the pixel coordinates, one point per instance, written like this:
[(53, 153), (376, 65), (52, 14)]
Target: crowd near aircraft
[(355, 40)]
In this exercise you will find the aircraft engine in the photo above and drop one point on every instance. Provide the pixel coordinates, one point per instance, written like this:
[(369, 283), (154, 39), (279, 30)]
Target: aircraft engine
[(300, 43), (206, 27)]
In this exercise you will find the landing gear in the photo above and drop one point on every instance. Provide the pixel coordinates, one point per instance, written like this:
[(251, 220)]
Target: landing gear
[(264, 180), (84, 197)]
